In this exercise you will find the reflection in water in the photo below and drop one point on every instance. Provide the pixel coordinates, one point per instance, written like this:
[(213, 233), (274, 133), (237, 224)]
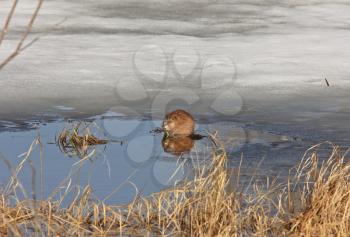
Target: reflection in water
[(177, 145)]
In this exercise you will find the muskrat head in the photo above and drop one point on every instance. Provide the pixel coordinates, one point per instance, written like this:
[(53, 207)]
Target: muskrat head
[(168, 125), (178, 123)]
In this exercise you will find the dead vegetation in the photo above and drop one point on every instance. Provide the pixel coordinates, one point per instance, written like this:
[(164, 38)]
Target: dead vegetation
[(78, 140), (314, 202), (324, 197)]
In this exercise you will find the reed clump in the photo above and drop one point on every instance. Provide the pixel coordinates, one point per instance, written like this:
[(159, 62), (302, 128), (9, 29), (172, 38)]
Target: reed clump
[(314, 201), (78, 142), (324, 195)]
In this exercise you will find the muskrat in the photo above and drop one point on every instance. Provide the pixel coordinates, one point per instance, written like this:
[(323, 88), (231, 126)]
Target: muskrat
[(178, 123)]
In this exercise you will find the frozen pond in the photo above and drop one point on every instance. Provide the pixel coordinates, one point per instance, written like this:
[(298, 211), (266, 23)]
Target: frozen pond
[(254, 71)]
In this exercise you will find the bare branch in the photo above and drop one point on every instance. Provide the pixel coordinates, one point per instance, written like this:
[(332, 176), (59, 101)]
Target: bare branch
[(19, 48), (7, 21)]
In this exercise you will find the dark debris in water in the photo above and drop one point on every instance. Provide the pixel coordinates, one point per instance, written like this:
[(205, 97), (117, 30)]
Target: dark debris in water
[(157, 131)]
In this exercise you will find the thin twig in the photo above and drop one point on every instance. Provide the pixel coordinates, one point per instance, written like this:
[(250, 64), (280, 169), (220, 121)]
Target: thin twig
[(4, 30), (24, 36)]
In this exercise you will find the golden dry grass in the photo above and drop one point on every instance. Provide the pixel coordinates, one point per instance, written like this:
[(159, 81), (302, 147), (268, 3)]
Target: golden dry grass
[(325, 197), (314, 202)]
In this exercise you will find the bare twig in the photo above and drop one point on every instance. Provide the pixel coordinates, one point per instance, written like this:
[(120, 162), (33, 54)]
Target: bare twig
[(19, 47), (7, 21)]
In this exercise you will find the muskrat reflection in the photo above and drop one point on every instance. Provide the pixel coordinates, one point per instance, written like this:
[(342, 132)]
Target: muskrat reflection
[(177, 145)]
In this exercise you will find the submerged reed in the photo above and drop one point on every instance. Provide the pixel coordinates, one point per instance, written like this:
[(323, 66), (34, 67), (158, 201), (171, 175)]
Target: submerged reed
[(78, 142)]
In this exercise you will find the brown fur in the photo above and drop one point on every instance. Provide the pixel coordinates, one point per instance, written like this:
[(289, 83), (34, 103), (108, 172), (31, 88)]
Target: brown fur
[(177, 145), (179, 123)]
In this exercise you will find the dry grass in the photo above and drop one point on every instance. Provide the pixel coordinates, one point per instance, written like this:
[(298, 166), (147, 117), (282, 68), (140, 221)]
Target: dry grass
[(324, 196), (314, 202)]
